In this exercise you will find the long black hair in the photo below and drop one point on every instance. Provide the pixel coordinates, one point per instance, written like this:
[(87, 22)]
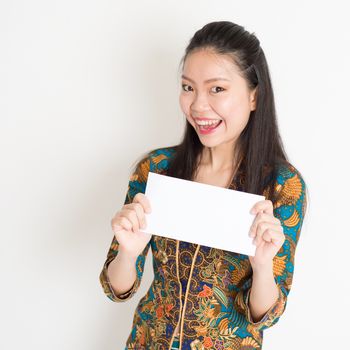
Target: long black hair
[(259, 147)]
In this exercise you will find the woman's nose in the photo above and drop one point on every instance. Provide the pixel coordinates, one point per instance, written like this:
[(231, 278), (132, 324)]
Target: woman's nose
[(200, 103)]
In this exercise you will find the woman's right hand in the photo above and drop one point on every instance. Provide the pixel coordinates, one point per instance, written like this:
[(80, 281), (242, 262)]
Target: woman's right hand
[(128, 221)]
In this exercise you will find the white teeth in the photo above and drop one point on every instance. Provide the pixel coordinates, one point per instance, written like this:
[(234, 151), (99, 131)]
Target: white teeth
[(209, 122)]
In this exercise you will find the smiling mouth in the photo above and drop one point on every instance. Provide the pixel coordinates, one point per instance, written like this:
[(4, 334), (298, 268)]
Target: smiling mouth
[(206, 129)]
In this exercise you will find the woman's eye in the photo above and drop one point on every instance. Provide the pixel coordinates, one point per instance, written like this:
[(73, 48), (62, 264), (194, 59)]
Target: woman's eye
[(219, 88), (184, 87)]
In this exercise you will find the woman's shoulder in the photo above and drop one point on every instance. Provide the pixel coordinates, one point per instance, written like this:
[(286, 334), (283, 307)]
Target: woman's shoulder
[(159, 158), (155, 160), (288, 173)]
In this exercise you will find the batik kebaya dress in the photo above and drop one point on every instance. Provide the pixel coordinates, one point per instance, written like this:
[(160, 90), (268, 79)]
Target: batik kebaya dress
[(205, 290)]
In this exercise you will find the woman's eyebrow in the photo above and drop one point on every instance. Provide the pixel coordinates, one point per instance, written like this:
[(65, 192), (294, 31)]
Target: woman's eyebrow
[(207, 81)]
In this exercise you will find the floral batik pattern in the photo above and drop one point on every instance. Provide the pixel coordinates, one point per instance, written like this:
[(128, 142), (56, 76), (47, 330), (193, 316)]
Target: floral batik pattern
[(206, 290)]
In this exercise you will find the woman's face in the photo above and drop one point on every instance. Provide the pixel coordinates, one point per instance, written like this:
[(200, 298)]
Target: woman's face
[(212, 89)]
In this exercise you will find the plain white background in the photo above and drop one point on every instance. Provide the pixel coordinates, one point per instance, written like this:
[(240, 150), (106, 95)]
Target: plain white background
[(86, 87)]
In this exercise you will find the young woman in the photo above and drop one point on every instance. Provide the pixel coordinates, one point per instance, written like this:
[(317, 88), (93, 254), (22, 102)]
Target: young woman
[(201, 297)]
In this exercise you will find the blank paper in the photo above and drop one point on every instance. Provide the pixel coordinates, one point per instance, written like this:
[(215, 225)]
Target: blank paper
[(200, 213)]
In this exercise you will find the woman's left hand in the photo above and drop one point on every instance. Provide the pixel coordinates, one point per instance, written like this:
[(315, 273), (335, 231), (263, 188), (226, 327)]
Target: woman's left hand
[(267, 232)]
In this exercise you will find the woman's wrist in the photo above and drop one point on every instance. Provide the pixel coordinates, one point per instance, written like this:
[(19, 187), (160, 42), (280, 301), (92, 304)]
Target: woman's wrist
[(125, 255), (263, 269)]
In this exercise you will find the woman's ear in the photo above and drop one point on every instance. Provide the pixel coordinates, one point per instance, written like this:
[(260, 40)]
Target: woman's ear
[(253, 97)]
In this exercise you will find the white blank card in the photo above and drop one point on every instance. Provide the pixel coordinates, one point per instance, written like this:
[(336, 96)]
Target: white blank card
[(200, 213)]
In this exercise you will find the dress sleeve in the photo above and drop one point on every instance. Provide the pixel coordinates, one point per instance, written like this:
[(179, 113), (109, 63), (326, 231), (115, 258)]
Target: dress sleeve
[(137, 183), (289, 208)]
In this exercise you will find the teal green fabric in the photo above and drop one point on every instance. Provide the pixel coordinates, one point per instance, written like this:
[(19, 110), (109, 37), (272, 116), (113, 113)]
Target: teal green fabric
[(176, 344)]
